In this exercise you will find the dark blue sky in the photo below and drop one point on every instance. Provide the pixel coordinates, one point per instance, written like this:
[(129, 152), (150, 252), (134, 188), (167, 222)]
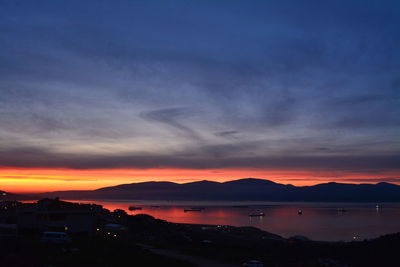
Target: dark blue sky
[(309, 85)]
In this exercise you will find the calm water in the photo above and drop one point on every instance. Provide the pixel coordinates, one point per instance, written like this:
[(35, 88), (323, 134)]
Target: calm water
[(319, 221)]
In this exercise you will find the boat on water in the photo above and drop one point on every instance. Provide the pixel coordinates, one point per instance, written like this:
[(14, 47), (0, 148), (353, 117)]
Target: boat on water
[(341, 210), (193, 209), (134, 208), (300, 212), (257, 214)]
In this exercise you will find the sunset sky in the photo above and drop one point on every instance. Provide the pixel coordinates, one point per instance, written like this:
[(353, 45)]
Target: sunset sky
[(98, 93)]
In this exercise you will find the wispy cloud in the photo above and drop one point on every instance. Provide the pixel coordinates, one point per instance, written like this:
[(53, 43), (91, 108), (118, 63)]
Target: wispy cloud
[(260, 85), (172, 117), (227, 133), (208, 159)]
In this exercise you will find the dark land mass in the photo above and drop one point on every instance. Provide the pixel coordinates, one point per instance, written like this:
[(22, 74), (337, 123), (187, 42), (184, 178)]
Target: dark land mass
[(146, 241), (239, 190), (5, 196)]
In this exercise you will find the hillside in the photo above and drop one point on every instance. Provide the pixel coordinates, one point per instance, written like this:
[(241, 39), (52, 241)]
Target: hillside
[(239, 190)]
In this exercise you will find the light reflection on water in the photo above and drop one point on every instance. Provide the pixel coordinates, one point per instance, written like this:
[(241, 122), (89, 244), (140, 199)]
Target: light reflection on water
[(319, 221)]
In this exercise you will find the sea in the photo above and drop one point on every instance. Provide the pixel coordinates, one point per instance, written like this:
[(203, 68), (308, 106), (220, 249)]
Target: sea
[(316, 221)]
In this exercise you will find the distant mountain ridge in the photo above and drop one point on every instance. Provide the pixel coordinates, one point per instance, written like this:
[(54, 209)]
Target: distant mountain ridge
[(6, 196), (248, 189)]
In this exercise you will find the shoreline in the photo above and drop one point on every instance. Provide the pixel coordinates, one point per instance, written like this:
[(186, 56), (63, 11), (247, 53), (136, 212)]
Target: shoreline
[(280, 218), (190, 244)]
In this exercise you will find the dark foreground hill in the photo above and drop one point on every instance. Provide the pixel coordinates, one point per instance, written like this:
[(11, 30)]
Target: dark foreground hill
[(240, 190)]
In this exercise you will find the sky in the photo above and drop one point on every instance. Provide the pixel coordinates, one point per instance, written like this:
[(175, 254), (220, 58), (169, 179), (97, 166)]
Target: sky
[(98, 93)]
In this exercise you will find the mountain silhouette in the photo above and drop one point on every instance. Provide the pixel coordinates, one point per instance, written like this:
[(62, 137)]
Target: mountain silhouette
[(6, 196), (239, 190)]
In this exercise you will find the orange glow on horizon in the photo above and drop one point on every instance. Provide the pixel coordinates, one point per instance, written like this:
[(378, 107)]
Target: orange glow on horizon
[(24, 180)]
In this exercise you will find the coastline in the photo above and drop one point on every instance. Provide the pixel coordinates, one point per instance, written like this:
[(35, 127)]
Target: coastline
[(154, 241)]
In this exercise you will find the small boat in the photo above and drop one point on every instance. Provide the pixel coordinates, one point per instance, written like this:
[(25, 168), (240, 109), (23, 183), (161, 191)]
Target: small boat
[(193, 209), (134, 208), (341, 210), (257, 214), (240, 206), (300, 212)]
